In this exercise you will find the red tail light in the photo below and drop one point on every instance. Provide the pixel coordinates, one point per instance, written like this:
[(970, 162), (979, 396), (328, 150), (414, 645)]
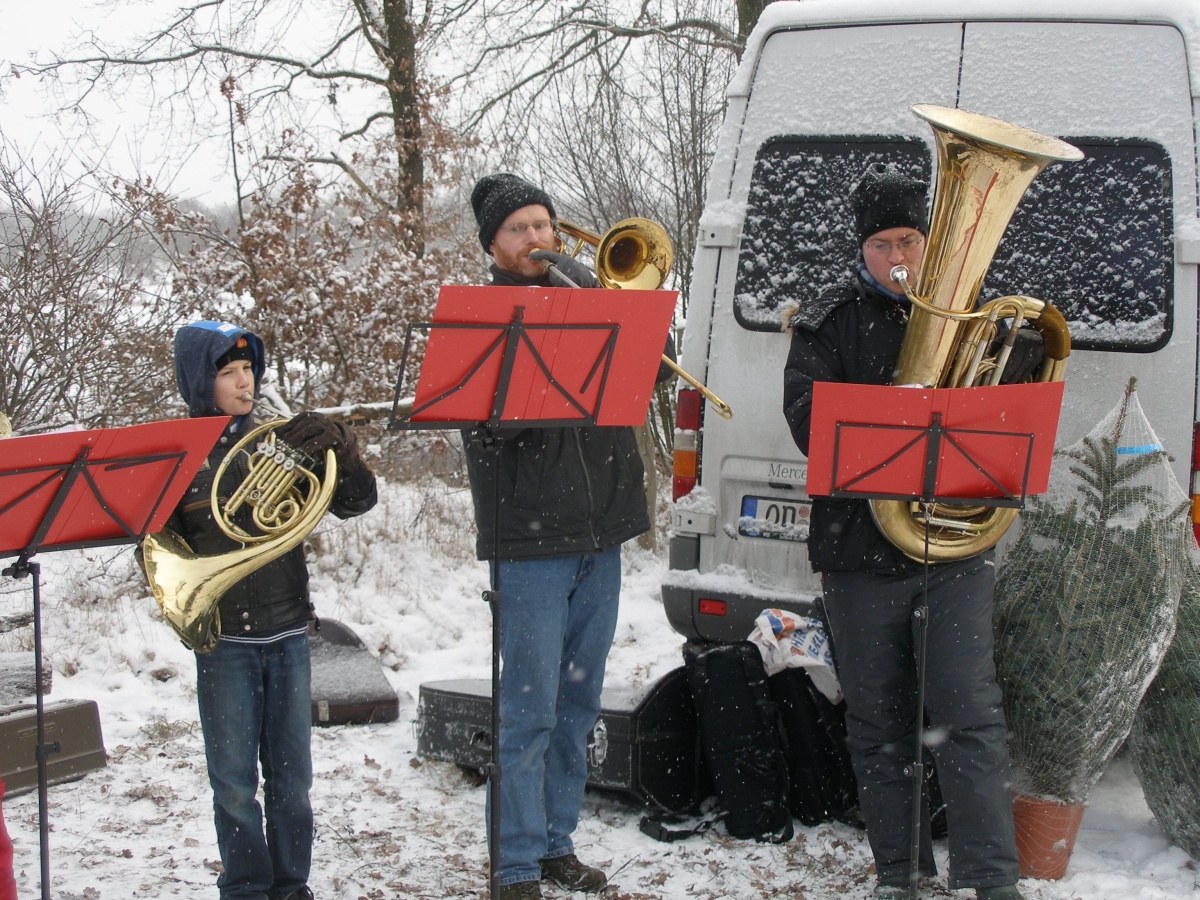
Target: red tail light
[(685, 465), (1195, 488), (687, 409)]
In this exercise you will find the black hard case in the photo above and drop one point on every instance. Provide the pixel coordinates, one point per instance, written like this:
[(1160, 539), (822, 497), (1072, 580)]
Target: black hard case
[(348, 684), (74, 724), (644, 742)]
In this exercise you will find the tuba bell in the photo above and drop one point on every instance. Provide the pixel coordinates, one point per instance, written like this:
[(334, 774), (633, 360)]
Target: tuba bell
[(283, 498), (984, 167)]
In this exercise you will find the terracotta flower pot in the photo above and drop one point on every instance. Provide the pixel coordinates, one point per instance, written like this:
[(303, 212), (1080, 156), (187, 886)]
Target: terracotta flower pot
[(1046, 832)]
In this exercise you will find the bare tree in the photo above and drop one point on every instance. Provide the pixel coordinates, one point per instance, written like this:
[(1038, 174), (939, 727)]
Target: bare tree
[(85, 337), (637, 145), (614, 102), (377, 70), (748, 12), (317, 270), (252, 67), (524, 48)]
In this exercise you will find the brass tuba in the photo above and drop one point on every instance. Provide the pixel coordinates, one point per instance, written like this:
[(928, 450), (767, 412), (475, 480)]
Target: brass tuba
[(635, 254), (984, 167), (285, 500)]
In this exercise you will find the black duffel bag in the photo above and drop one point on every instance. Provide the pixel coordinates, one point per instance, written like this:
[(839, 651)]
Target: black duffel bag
[(821, 782)]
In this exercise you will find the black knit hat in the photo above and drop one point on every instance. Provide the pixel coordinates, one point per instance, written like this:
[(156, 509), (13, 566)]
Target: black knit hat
[(496, 197), (886, 198), (241, 349)]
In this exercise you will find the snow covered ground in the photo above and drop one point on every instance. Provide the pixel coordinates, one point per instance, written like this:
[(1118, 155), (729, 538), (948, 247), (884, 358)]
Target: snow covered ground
[(389, 824)]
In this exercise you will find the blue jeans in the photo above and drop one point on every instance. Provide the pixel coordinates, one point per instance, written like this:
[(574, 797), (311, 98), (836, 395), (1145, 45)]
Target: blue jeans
[(557, 621), (255, 706)]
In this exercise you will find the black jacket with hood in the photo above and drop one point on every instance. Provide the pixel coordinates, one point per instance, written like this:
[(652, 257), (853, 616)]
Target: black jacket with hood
[(562, 490), (850, 334), (276, 595)]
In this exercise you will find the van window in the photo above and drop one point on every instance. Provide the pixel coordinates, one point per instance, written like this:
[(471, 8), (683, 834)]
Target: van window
[(798, 235), (1095, 239), (1092, 237)]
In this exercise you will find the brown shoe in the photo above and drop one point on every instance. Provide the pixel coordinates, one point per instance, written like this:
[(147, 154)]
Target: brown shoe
[(522, 890), (569, 873)]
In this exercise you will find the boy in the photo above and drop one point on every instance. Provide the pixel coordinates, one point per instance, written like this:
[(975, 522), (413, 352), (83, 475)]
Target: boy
[(253, 688)]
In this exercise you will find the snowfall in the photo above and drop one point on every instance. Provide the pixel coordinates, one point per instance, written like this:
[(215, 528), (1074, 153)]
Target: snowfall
[(390, 824)]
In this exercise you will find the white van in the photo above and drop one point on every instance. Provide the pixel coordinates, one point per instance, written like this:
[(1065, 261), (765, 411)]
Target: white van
[(825, 88)]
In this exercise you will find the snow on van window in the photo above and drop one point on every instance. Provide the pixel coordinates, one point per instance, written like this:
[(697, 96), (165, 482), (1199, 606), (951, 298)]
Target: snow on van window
[(1093, 237), (798, 236)]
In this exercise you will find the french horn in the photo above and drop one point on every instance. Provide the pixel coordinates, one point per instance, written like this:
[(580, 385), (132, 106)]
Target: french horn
[(284, 500), (984, 167)]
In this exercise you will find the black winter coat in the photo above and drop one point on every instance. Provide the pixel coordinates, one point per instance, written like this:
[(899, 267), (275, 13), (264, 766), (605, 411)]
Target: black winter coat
[(562, 490), (851, 334)]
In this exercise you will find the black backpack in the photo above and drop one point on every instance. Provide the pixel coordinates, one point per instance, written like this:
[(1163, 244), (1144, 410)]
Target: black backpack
[(740, 738), (821, 783)]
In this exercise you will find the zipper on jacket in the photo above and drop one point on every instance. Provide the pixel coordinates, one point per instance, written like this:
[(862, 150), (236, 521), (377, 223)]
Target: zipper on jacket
[(587, 488)]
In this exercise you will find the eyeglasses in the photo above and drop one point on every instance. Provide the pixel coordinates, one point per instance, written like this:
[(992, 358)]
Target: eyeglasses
[(907, 245), (540, 228)]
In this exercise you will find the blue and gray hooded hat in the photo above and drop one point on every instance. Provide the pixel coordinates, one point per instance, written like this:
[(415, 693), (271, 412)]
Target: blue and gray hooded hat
[(199, 351)]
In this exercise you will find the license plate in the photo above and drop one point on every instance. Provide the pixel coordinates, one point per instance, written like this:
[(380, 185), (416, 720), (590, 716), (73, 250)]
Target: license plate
[(770, 517)]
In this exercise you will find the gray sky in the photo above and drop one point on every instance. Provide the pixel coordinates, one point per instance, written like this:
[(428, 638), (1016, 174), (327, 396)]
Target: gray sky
[(117, 138)]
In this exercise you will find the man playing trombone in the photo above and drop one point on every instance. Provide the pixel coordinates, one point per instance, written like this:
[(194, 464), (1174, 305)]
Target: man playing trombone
[(569, 497)]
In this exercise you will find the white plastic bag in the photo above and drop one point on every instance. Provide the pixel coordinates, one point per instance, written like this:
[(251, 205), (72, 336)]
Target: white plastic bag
[(788, 640)]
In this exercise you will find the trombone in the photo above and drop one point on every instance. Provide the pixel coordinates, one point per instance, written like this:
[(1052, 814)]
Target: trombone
[(635, 254)]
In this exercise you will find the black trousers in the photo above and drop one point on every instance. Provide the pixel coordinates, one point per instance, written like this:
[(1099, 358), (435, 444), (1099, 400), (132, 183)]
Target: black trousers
[(874, 633)]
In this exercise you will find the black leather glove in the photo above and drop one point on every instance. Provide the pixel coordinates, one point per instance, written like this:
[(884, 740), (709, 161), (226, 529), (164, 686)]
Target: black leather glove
[(1027, 353), (312, 434), (568, 266)]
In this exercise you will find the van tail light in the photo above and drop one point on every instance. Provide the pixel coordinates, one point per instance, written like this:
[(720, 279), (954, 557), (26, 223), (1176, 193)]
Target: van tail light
[(1195, 491), (685, 465), (712, 607)]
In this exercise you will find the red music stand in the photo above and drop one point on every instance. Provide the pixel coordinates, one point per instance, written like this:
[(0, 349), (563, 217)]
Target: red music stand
[(95, 488), (531, 356), (988, 446), (551, 356)]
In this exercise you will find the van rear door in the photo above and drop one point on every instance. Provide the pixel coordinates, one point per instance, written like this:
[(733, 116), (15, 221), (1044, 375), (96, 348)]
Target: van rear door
[(817, 105), (1108, 223), (1097, 240)]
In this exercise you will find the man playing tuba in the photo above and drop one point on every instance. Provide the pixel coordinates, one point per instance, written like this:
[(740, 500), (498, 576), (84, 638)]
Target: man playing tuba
[(853, 334), (253, 687)]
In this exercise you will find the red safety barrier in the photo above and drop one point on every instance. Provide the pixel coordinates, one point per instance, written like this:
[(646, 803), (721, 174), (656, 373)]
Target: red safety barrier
[(8, 883)]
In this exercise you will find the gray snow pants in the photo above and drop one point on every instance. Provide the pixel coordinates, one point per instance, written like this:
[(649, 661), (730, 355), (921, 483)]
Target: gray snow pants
[(874, 631)]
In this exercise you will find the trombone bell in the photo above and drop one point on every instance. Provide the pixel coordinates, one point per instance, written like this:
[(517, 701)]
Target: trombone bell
[(635, 255)]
